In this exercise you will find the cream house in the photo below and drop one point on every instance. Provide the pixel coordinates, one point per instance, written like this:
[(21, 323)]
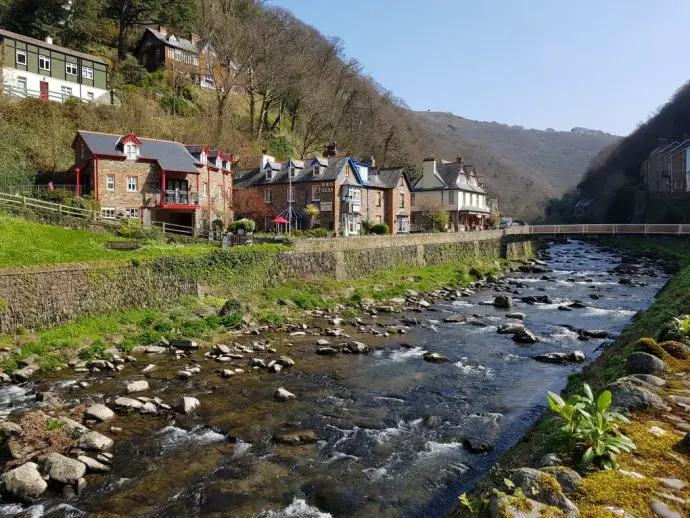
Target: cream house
[(454, 187)]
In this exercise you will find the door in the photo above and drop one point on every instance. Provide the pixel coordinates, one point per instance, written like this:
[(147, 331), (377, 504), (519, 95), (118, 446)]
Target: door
[(44, 90)]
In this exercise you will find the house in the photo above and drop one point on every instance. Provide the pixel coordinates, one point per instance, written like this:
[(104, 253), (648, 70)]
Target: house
[(667, 170), (216, 181), (36, 68), (346, 192), (160, 49), (158, 181), (452, 187)]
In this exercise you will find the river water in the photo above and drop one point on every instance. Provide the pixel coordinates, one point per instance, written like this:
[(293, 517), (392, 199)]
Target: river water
[(392, 428)]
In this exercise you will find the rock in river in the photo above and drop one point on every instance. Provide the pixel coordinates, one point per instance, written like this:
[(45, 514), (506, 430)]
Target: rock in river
[(25, 482), (557, 357), (283, 395), (127, 403), (525, 337), (94, 441), (99, 412), (298, 437), (516, 316), (595, 333), (435, 358), (137, 386), (63, 469), (326, 351), (644, 363), (92, 465), (72, 428), (187, 405), (503, 301), (510, 329)]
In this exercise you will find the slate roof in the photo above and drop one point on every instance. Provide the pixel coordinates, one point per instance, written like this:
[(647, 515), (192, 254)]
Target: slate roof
[(386, 178), (40, 43), (255, 177), (181, 43), (454, 176), (171, 156)]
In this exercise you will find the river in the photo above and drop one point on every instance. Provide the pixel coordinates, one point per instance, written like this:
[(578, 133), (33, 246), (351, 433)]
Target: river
[(391, 428)]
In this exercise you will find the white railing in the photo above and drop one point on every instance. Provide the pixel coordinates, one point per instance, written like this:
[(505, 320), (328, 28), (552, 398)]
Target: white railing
[(641, 229), (23, 93)]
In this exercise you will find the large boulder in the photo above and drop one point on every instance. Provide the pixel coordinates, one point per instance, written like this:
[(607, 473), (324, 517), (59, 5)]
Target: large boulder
[(63, 469), (558, 357), (503, 301), (94, 441), (435, 357), (569, 479), (632, 394), (72, 428), (525, 337), (544, 488), (8, 428), (187, 405), (515, 507), (644, 363), (25, 482), (510, 329), (99, 412), (127, 403)]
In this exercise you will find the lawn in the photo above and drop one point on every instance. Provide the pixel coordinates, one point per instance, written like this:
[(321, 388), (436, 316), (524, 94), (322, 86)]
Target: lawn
[(26, 243)]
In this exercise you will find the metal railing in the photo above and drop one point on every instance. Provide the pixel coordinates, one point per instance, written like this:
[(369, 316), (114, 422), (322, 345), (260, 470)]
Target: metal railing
[(173, 197), (641, 229), (38, 189)]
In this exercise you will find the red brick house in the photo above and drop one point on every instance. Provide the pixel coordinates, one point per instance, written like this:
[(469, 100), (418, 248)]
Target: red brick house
[(154, 180)]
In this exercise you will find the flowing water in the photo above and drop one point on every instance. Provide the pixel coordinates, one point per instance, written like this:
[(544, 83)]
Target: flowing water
[(392, 428)]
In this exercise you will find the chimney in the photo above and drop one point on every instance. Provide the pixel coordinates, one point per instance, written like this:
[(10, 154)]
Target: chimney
[(194, 38), (49, 40), (330, 150), (265, 159), (163, 30), (429, 173)]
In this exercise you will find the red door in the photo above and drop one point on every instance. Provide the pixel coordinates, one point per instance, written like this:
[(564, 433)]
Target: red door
[(44, 90)]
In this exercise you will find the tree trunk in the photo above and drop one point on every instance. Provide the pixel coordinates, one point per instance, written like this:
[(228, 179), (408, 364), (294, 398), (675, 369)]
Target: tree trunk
[(122, 40), (252, 112)]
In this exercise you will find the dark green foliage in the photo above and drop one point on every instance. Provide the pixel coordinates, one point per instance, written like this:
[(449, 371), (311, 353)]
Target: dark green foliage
[(95, 351), (149, 337), (380, 229), (242, 224)]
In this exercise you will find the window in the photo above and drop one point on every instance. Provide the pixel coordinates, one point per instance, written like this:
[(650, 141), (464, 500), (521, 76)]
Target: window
[(108, 213), (132, 213), (402, 201), (269, 173), (412, 199), (131, 151), (403, 224), (451, 197), (316, 192), (110, 182), (268, 196), (87, 72), (71, 69), (66, 92), (207, 81), (291, 194), (21, 57), (316, 170), (379, 198), (21, 84), (89, 96), (293, 171), (219, 162), (44, 63), (132, 184), (203, 158), (351, 194)]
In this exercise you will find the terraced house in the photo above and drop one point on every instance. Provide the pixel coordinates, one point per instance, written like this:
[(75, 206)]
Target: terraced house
[(36, 68), (157, 181), (345, 191), (667, 169)]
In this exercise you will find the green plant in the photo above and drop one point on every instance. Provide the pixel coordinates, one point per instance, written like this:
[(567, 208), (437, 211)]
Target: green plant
[(217, 226), (439, 220), (681, 326), (95, 351), (312, 212), (53, 424), (380, 229), (590, 429), (245, 224)]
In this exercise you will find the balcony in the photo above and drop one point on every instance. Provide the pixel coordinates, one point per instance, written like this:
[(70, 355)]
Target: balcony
[(174, 198)]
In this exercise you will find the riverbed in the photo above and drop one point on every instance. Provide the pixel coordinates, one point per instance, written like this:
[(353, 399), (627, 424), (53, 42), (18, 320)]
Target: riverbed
[(395, 435)]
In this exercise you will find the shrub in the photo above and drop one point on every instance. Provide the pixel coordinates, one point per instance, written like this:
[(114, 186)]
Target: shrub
[(217, 226), (380, 229), (680, 326), (126, 346), (62, 196), (133, 228), (591, 431), (244, 224), (95, 351), (439, 220), (271, 318), (149, 337), (366, 226), (649, 345)]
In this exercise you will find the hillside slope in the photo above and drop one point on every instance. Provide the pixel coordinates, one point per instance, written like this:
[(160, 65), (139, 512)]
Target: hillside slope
[(522, 167)]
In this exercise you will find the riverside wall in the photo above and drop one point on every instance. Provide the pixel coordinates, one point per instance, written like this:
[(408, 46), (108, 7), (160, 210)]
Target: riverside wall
[(40, 297)]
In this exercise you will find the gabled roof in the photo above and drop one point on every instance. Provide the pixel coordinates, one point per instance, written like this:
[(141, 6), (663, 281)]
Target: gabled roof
[(196, 150), (333, 167), (171, 156), (180, 43), (454, 176), (40, 43), (680, 147), (385, 178)]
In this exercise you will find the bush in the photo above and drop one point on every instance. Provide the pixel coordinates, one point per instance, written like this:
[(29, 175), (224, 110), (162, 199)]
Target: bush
[(217, 226), (380, 229), (95, 351), (62, 196), (133, 228), (439, 220), (244, 224), (681, 326), (590, 430)]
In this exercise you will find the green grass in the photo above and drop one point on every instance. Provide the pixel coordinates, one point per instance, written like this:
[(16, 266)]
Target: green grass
[(26, 243)]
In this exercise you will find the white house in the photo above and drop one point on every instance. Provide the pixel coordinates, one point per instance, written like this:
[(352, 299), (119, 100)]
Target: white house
[(451, 186)]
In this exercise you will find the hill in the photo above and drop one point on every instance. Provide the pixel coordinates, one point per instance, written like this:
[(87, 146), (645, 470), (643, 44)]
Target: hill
[(612, 183), (524, 168)]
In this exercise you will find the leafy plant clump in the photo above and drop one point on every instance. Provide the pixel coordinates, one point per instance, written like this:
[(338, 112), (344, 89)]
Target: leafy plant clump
[(95, 351), (380, 229), (590, 429), (247, 225), (680, 326)]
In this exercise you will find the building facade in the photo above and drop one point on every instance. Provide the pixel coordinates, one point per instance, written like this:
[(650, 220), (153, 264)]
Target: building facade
[(346, 193), (454, 187), (156, 181), (35, 68), (666, 169)]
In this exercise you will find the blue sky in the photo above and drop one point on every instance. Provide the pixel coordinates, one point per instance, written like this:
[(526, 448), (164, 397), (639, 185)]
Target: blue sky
[(602, 64)]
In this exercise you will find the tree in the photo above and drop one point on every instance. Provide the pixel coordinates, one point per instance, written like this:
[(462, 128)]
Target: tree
[(249, 203), (37, 18), (313, 213)]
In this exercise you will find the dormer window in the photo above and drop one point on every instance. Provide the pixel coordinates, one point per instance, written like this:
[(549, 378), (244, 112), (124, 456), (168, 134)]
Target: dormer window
[(172, 39), (293, 171), (203, 158), (219, 162), (269, 173), (316, 170), (131, 150)]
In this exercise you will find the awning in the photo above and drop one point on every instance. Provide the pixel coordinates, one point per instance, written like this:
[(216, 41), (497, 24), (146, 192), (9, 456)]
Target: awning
[(280, 219)]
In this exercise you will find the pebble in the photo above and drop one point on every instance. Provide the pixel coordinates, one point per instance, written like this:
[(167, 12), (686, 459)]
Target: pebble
[(631, 474), (663, 511), (148, 368), (655, 430), (672, 483)]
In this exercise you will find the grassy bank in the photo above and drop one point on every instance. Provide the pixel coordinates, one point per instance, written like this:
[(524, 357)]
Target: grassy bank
[(27, 243), (240, 280), (656, 455)]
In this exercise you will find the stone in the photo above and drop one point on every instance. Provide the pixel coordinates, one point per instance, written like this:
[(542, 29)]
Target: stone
[(8, 428), (663, 511), (149, 408), (49, 397), (184, 344), (25, 482), (550, 459), (326, 351), (127, 403), (283, 395), (227, 373), (569, 479), (631, 395), (510, 329), (516, 316), (222, 348), (24, 374), (684, 444), (275, 368), (150, 367), (631, 474), (503, 301), (544, 488), (435, 357), (322, 342), (458, 319), (63, 469), (358, 347), (557, 357), (286, 362), (185, 375), (513, 507), (94, 441), (644, 363), (477, 444), (137, 386), (577, 304), (99, 412), (72, 428), (564, 308), (672, 483), (650, 379), (187, 405), (655, 430), (595, 333), (92, 465), (298, 437), (525, 337)]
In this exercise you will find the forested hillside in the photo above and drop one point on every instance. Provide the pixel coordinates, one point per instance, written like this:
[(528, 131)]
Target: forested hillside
[(289, 90), (613, 178)]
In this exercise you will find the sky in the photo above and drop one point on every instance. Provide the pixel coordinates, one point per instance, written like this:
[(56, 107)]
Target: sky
[(600, 64)]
